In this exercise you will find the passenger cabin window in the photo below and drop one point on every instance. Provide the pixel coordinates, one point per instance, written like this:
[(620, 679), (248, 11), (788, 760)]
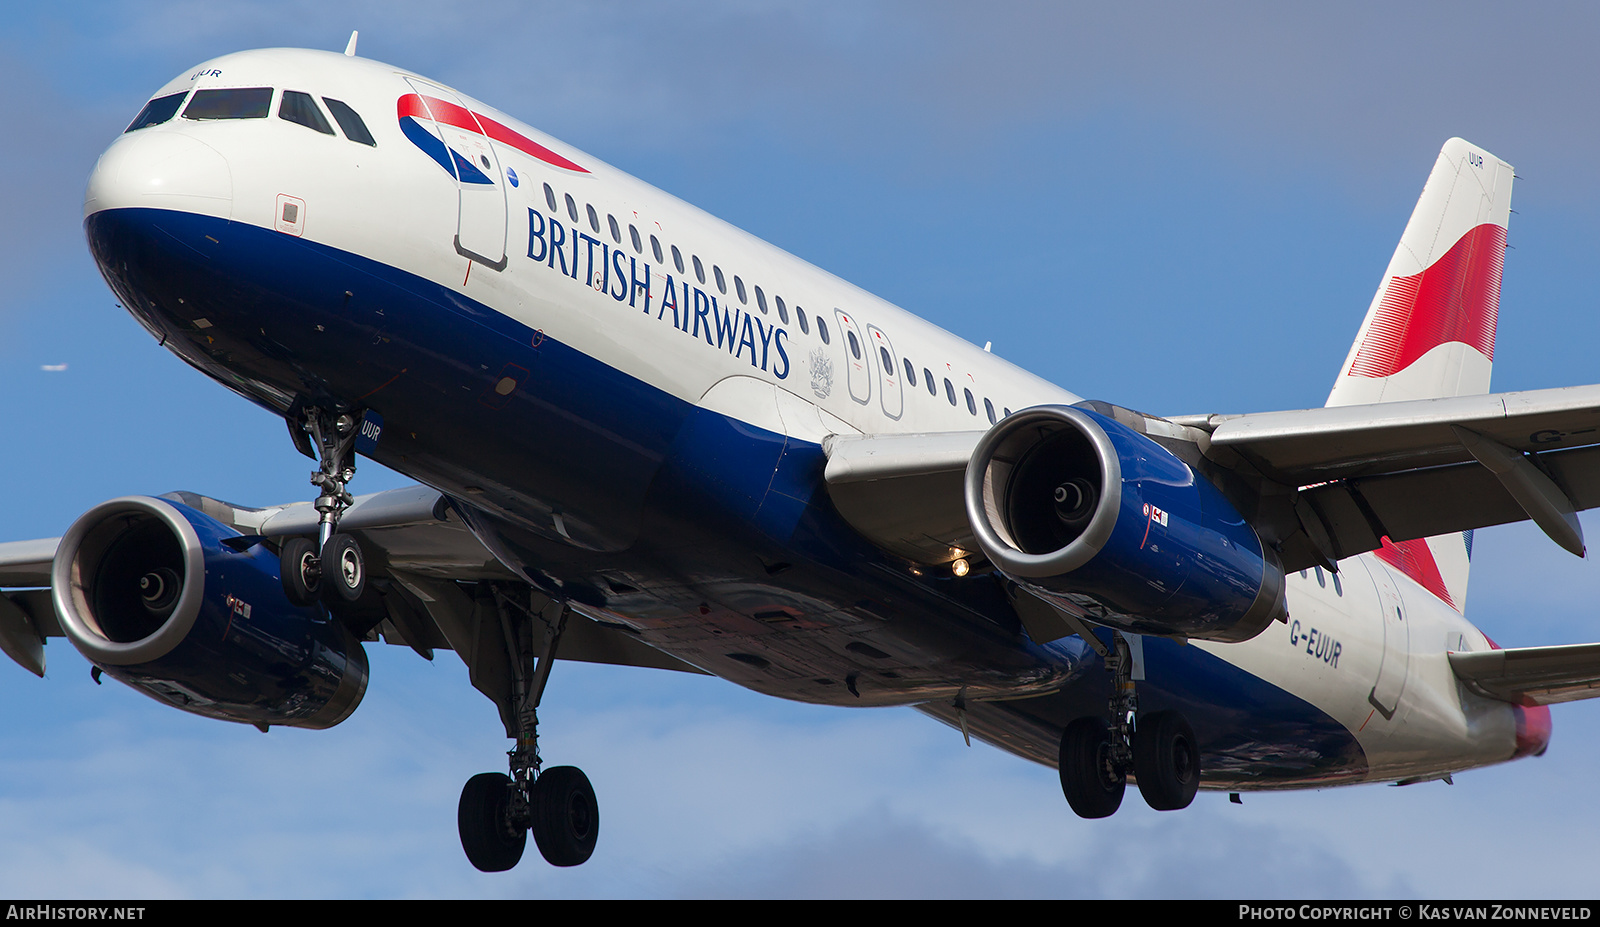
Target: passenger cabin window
[(550, 197), (800, 316), (761, 298), (783, 312), (699, 269), (989, 408), (949, 391), (972, 406), (822, 330), (855, 346), (638, 245), (738, 287), (911, 372), (927, 377), (572, 208), (157, 111), (722, 285), (655, 246), (616, 233), (301, 109), (350, 121), (230, 103), (594, 218)]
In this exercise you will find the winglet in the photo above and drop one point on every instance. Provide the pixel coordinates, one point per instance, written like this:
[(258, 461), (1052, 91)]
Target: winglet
[(350, 49)]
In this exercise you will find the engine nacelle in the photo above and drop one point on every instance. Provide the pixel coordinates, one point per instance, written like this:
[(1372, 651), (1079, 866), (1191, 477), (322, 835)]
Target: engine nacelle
[(147, 591), (1089, 514)]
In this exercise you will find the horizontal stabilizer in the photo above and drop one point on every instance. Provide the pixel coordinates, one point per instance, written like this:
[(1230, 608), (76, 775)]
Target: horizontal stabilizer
[(1532, 675)]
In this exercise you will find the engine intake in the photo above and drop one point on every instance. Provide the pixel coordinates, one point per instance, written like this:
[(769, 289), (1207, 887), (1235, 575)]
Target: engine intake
[(1089, 514), (147, 591)]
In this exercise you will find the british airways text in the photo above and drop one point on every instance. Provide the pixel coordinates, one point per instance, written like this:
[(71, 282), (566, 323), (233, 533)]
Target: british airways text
[(694, 311)]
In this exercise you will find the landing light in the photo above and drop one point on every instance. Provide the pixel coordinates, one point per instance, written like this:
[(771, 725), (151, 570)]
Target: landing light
[(960, 567)]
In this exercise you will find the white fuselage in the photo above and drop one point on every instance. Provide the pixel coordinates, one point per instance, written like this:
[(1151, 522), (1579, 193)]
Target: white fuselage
[(1368, 651)]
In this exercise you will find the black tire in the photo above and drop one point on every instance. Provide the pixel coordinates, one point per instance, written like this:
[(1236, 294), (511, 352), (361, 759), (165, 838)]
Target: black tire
[(492, 843), (298, 568), (1092, 787), (1166, 760), (344, 572), (566, 817)]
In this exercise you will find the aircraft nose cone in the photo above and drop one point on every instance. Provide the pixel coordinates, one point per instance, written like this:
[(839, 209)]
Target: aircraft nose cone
[(160, 170)]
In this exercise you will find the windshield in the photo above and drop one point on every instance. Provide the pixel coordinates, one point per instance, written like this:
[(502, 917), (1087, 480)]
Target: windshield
[(350, 121), (230, 103), (299, 108), (157, 111)]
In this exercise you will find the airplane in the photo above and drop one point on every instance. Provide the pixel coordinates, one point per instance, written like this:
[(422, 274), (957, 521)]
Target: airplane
[(644, 437)]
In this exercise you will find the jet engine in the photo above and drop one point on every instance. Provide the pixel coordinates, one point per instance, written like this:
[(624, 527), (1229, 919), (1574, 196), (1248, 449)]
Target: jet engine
[(185, 609), (1087, 513)]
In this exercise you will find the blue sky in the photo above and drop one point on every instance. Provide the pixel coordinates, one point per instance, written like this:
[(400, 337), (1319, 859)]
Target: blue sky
[(1171, 209)]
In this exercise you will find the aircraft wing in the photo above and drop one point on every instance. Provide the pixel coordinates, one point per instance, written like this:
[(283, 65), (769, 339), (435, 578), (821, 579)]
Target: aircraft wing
[(1532, 675), (1353, 475), (416, 544), (1339, 442), (904, 491), (1420, 468), (27, 563)]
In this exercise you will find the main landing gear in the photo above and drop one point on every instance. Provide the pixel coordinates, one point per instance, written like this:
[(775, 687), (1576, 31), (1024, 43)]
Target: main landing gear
[(1096, 756), (497, 811), (331, 570)]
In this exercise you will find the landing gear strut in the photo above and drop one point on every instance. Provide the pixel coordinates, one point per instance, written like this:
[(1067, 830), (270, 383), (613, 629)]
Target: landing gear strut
[(1097, 755), (332, 569), (558, 804)]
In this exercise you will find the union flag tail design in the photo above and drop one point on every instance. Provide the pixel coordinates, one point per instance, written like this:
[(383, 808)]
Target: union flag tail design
[(1429, 333)]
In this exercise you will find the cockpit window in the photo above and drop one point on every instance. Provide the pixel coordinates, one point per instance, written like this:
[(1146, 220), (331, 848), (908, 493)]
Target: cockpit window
[(354, 129), (157, 111), (230, 103), (300, 108)]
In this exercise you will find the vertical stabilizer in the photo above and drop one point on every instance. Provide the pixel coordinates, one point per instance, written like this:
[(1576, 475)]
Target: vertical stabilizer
[(1429, 333), (1430, 330)]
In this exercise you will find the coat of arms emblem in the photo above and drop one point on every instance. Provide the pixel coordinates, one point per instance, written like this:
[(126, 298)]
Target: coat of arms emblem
[(821, 374)]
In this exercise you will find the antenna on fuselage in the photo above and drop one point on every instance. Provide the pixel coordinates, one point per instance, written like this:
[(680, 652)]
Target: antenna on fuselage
[(350, 49)]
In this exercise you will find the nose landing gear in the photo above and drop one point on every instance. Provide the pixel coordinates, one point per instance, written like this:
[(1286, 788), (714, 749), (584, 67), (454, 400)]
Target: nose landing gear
[(1096, 756), (331, 570)]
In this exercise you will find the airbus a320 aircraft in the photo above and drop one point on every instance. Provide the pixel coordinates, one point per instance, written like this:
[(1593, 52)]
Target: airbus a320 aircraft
[(644, 437)]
